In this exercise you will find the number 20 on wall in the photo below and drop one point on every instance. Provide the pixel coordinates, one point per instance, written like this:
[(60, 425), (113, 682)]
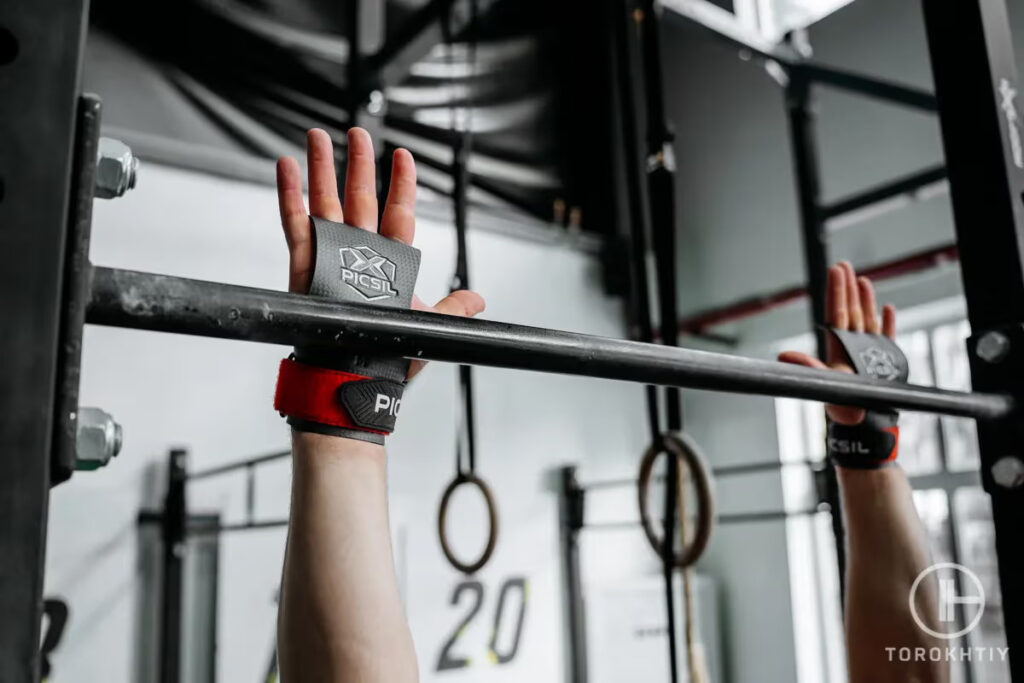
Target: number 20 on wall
[(447, 660)]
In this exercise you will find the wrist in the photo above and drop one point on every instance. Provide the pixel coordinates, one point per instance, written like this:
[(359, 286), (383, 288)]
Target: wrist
[(314, 447)]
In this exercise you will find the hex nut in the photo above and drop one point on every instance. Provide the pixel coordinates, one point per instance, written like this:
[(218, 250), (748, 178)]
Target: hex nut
[(98, 439), (993, 347), (116, 169), (1008, 472)]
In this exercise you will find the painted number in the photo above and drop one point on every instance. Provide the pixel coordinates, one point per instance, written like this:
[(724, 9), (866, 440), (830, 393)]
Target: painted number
[(446, 661)]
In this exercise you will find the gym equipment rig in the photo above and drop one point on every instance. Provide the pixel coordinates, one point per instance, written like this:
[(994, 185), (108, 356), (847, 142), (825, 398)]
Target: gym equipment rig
[(49, 290)]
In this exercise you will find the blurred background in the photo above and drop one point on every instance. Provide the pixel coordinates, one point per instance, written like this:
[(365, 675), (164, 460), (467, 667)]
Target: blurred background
[(208, 93)]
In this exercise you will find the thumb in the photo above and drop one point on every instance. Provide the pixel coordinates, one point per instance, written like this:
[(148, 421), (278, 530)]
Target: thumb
[(801, 358), (847, 415)]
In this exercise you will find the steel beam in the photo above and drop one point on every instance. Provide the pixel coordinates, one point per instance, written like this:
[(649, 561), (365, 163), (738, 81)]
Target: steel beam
[(977, 89), (40, 58)]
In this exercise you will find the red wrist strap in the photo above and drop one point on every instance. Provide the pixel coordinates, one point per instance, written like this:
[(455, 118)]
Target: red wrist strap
[(311, 393)]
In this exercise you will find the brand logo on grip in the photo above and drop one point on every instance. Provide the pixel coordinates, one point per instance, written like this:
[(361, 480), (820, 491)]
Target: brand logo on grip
[(368, 273)]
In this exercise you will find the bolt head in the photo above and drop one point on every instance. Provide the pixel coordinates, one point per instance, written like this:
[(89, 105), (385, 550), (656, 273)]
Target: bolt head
[(1008, 472), (98, 439), (993, 347), (116, 169)]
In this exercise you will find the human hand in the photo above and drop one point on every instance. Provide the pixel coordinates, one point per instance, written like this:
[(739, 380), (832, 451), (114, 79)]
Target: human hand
[(850, 304), (360, 210)]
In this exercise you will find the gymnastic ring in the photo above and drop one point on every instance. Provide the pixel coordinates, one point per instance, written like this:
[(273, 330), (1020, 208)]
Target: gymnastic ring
[(685, 450), (492, 514)]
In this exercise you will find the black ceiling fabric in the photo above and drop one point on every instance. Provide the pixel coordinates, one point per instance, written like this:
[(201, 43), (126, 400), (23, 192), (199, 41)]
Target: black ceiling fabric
[(529, 77)]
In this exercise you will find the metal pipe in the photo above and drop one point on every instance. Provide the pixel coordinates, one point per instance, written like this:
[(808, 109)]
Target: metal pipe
[(165, 303), (239, 465), (866, 85), (900, 187), (699, 322)]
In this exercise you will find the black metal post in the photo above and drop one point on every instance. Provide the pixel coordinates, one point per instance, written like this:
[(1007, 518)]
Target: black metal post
[(40, 61), (800, 112), (570, 522), (75, 295), (175, 526), (977, 89)]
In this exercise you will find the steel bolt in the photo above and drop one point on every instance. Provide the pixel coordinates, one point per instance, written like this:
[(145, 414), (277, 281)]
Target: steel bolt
[(993, 347), (1008, 472), (98, 440), (116, 168)]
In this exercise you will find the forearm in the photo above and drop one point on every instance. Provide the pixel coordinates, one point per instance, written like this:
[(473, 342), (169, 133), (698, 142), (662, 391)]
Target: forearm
[(887, 550), (341, 617)]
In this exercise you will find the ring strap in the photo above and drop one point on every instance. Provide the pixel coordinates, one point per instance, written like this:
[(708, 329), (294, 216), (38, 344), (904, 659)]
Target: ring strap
[(471, 479), (680, 446)]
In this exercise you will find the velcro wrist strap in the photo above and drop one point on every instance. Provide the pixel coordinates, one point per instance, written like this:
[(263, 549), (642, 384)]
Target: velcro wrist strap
[(337, 399), (870, 445)]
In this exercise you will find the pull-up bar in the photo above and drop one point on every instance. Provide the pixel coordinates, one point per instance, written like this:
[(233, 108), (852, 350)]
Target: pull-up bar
[(165, 303)]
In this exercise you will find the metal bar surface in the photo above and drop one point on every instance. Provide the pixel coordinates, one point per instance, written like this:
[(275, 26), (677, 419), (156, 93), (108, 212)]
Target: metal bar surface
[(165, 303)]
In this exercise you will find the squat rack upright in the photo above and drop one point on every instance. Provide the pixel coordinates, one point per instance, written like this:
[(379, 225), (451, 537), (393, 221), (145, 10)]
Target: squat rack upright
[(48, 288)]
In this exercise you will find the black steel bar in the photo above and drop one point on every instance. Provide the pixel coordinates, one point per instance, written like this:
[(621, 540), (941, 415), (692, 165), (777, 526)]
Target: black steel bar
[(875, 195), (238, 465), (864, 85), (570, 517), (729, 518), (800, 114), (172, 599), (250, 493), (40, 61), (75, 289), (723, 471), (165, 303), (410, 42), (977, 87), (213, 529)]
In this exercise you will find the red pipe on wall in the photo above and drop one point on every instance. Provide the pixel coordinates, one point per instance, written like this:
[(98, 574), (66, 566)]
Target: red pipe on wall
[(699, 323)]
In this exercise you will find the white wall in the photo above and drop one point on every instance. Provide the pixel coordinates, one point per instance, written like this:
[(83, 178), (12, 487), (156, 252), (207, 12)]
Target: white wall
[(214, 398)]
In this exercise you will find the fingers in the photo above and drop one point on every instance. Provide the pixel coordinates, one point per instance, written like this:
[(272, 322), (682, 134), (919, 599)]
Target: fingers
[(868, 305), (323, 184), (837, 311), (463, 303), (889, 321), (801, 358), (399, 220), (853, 298), (295, 222), (361, 181)]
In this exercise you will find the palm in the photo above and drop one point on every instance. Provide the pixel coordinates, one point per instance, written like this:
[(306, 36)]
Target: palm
[(360, 210), (850, 305)]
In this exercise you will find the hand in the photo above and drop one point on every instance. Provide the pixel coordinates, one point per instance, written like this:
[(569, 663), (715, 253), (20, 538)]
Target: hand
[(398, 222), (850, 304)]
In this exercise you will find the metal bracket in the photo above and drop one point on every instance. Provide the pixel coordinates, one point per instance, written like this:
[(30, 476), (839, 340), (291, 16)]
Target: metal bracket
[(997, 358)]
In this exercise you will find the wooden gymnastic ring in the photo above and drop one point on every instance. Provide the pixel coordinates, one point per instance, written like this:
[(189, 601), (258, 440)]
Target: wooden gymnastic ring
[(685, 450), (492, 514)]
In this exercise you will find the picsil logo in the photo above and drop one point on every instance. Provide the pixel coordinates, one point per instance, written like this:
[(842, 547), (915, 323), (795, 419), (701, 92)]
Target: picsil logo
[(368, 273), (879, 363)]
